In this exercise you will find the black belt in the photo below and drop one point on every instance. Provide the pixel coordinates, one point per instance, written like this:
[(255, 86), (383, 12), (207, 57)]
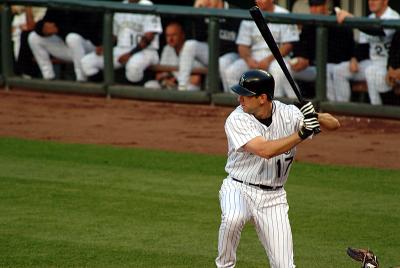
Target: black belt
[(263, 187)]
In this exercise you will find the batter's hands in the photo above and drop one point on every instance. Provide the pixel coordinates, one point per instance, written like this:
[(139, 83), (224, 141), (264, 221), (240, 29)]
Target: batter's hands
[(307, 108), (310, 126)]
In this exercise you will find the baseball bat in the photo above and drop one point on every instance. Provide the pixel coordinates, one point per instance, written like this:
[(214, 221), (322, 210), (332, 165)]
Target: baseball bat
[(269, 39), (258, 18)]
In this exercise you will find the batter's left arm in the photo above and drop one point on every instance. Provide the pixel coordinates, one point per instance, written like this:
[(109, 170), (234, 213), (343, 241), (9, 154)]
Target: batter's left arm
[(328, 122)]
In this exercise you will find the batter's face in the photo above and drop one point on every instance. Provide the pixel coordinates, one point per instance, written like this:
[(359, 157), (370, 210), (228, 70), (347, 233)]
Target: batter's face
[(265, 5), (174, 35), (377, 6), (254, 105)]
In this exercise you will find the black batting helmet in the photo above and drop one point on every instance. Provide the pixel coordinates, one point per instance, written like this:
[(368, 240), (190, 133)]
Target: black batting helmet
[(254, 83)]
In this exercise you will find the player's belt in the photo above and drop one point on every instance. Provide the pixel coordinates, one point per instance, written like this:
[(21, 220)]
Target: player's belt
[(263, 187)]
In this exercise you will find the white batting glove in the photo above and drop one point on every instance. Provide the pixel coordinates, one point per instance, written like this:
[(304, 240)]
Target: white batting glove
[(307, 108)]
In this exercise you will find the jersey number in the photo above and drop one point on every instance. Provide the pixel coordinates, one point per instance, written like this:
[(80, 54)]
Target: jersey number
[(381, 50), (288, 161)]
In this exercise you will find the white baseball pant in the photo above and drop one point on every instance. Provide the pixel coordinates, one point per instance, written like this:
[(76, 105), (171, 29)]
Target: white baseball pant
[(93, 63), (73, 49), (269, 212), (375, 76), (79, 47), (224, 62), (341, 79), (191, 50), (43, 47), (139, 62)]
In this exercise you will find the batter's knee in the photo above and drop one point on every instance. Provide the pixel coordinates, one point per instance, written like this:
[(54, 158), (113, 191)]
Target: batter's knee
[(234, 221)]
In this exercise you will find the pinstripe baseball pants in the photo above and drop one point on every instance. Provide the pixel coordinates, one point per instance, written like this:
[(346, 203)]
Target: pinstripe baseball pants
[(269, 212)]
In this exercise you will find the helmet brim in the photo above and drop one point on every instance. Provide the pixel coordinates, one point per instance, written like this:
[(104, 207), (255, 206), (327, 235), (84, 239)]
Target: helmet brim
[(238, 89)]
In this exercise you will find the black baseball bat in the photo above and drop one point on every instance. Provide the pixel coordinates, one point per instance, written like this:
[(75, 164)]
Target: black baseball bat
[(258, 18), (269, 39)]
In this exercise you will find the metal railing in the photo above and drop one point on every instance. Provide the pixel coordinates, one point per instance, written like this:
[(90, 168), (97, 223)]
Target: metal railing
[(212, 94)]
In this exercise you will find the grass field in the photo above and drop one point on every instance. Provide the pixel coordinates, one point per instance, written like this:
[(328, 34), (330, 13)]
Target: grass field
[(65, 205)]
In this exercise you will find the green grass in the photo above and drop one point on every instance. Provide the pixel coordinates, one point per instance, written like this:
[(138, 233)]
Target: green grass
[(65, 205)]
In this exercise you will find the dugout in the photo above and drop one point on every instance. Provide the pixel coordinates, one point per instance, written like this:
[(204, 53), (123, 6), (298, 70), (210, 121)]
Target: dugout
[(212, 94)]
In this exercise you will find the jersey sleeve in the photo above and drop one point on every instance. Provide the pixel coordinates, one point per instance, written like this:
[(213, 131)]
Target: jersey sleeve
[(117, 18), (289, 33), (240, 129), (244, 35), (152, 24), (298, 118)]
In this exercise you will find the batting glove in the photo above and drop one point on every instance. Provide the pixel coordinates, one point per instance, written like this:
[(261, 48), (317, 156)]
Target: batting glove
[(310, 126), (307, 108)]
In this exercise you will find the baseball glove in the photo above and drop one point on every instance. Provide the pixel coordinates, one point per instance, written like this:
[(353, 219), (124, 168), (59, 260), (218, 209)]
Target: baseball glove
[(365, 256)]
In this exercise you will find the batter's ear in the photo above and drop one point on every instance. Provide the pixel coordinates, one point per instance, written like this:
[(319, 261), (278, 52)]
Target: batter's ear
[(263, 98)]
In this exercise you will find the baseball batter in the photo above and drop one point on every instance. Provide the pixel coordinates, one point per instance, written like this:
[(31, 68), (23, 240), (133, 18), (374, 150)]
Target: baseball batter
[(254, 53), (374, 69), (262, 135), (137, 44)]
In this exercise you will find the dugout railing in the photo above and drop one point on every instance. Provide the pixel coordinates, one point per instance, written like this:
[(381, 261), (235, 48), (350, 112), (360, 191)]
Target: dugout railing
[(212, 94)]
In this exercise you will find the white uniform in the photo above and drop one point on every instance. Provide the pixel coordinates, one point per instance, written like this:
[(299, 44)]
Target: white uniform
[(171, 58), (66, 45), (194, 50), (249, 35), (241, 202), (128, 28), (72, 50), (372, 70)]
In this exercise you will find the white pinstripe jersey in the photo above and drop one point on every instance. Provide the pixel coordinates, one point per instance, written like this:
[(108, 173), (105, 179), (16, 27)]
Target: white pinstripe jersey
[(241, 127)]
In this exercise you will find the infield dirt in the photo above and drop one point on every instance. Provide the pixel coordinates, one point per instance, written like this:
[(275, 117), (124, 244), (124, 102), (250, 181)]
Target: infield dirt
[(366, 142)]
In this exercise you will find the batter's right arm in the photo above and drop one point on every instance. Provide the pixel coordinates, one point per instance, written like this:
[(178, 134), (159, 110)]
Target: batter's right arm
[(270, 148)]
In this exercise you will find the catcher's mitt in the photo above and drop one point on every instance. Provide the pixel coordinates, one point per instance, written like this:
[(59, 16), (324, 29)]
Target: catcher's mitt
[(365, 256)]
